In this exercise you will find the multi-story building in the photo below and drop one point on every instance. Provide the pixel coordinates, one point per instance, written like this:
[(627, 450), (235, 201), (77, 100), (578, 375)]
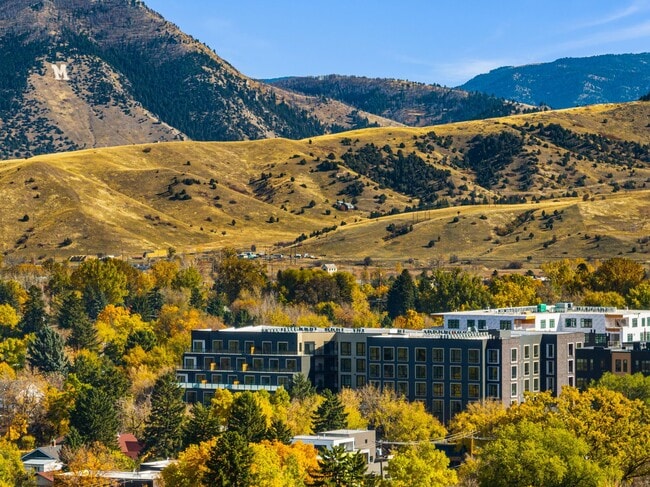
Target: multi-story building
[(443, 368), (616, 327)]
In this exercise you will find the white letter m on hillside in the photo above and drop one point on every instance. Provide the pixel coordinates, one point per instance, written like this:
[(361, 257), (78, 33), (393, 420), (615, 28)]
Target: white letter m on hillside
[(60, 72)]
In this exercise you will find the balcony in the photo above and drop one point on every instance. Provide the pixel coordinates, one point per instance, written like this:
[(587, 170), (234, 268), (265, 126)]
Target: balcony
[(233, 387)]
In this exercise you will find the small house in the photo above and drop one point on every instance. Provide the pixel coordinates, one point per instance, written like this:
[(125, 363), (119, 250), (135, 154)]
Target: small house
[(329, 268)]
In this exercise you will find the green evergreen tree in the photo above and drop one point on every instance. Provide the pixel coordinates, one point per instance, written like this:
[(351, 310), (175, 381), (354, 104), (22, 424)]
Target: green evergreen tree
[(34, 314), (247, 419), (230, 462), (83, 335), (144, 338), (95, 417), (201, 425), (331, 414), (279, 431), (402, 295), (95, 301), (163, 432), (71, 311), (341, 468), (46, 352), (301, 387)]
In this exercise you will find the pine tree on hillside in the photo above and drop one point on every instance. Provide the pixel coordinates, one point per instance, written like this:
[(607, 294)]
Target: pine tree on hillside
[(230, 462), (402, 295), (95, 417), (70, 311), (46, 352), (247, 418), (83, 335), (279, 431), (163, 432), (34, 314), (331, 414)]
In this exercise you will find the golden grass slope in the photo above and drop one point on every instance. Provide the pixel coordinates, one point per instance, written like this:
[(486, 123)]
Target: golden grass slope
[(130, 199)]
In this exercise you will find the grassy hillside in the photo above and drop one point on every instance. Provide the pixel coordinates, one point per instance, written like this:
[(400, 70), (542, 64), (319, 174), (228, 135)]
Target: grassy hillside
[(590, 164)]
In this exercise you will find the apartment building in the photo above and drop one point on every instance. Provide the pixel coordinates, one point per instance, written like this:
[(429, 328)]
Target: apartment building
[(446, 369)]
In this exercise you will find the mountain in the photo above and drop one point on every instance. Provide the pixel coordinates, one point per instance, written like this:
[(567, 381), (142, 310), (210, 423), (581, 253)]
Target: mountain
[(497, 189), (86, 73), (570, 82), (407, 102)]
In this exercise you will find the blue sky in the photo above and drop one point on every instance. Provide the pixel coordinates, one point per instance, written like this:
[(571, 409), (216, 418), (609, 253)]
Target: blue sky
[(429, 41)]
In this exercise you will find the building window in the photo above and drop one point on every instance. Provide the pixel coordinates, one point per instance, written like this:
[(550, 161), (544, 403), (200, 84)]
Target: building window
[(513, 389), (526, 368), (526, 351), (473, 373), (198, 346), (513, 372), (630, 337), (455, 372), (291, 364), (389, 371), (216, 378), (635, 322), (361, 348), (586, 323), (361, 380), (438, 389), (274, 364), (403, 389), (402, 354), (420, 354), (493, 356), (542, 324), (550, 368), (455, 355), (374, 353), (513, 354), (535, 351), (437, 355), (582, 364), (283, 347), (249, 347), (283, 381), (361, 365), (493, 373), (217, 345), (551, 323), (471, 325), (420, 389), (473, 391), (373, 371), (266, 347), (474, 356), (437, 407), (420, 371), (493, 390), (570, 323), (453, 324), (570, 366), (550, 350), (346, 348), (389, 353), (536, 368), (388, 386), (310, 348), (482, 325), (535, 384), (455, 407), (189, 363), (258, 363), (505, 325), (455, 389), (346, 380), (265, 380), (526, 385), (438, 372), (346, 365), (550, 383), (249, 380), (402, 371)]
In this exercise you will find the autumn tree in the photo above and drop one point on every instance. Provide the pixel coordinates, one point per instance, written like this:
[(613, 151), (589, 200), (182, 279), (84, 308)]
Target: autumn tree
[(276, 464), (454, 290), (190, 469), (632, 386), (163, 431), (420, 464), (603, 298), (101, 282), (235, 275), (639, 296), (512, 290), (12, 471), (229, 463), (618, 274)]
